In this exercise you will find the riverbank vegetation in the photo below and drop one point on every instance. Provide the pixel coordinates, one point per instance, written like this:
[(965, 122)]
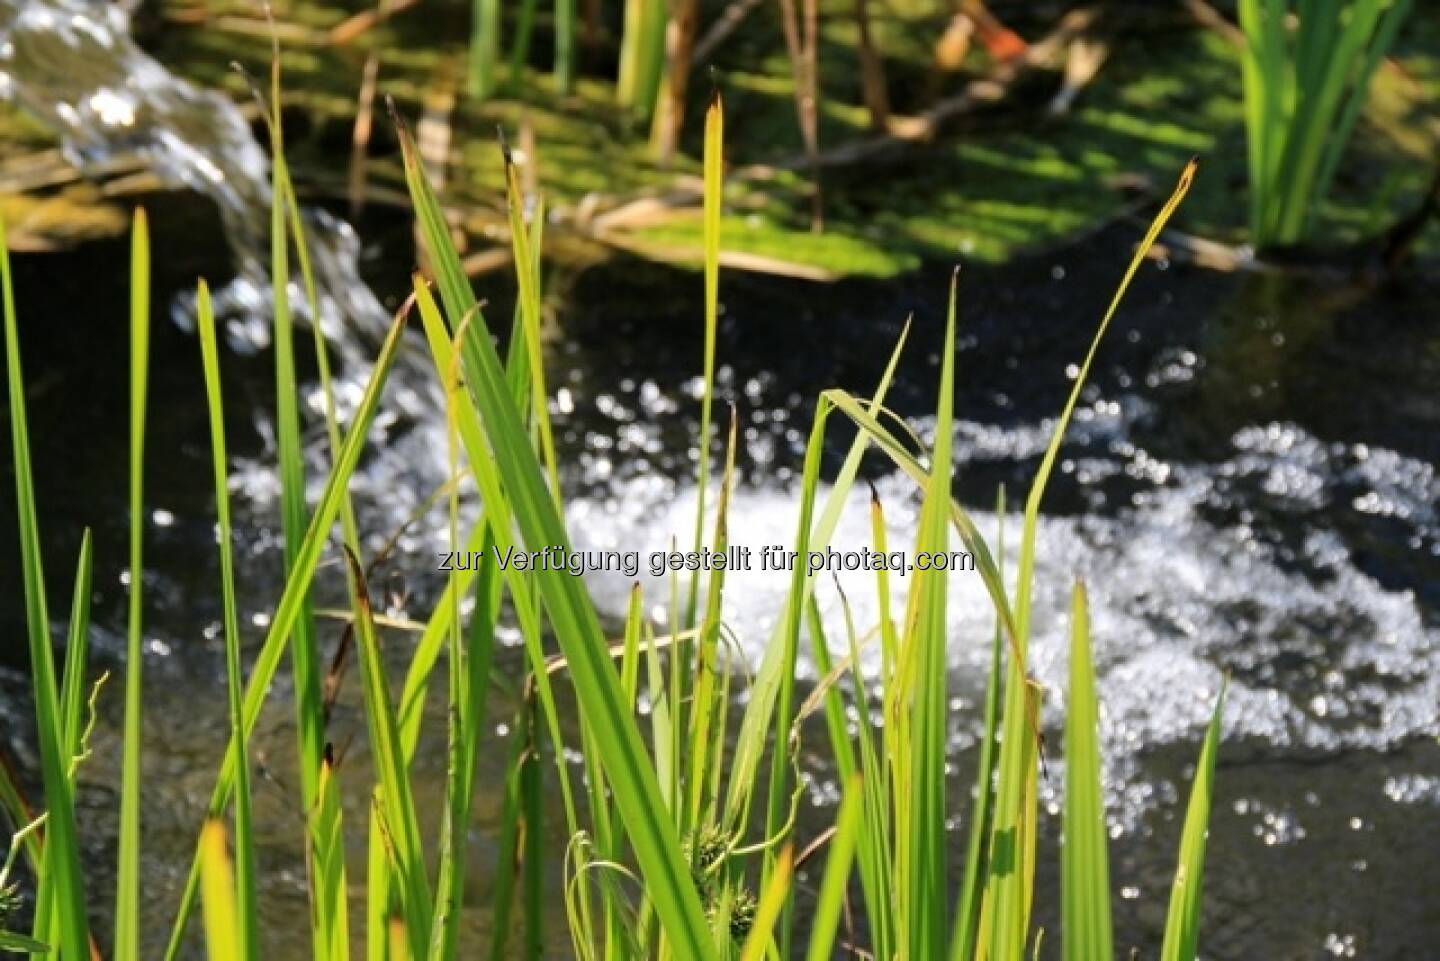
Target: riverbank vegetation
[(929, 133), (681, 835), (711, 137)]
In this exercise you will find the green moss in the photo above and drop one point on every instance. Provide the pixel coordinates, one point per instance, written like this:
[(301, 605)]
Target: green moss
[(1009, 180)]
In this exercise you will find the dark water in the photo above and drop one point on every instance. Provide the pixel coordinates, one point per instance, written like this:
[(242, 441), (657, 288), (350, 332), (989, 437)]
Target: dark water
[(1250, 487)]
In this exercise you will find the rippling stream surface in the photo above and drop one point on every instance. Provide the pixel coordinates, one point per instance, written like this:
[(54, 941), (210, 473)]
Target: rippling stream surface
[(1250, 487)]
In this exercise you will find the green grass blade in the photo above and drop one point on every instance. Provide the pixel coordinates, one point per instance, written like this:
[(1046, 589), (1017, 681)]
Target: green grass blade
[(532, 863), (872, 431), (777, 801), (713, 178), (977, 850), (705, 702), (1355, 99), (72, 708), (395, 798), (127, 875), (294, 514), (222, 930), (330, 943), (1322, 89), (501, 528), (1010, 872), (876, 854), (1182, 923), (597, 686), (564, 46), (1085, 863), (20, 944), (329, 898), (527, 276), (247, 941), (77, 646), (520, 47), (837, 872), (297, 587), (469, 678), (750, 742), (484, 52), (772, 900), (929, 593), (1047, 463), (63, 876), (508, 845)]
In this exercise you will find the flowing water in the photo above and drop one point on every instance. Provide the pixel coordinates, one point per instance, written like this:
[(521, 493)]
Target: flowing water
[(1250, 487), (73, 65)]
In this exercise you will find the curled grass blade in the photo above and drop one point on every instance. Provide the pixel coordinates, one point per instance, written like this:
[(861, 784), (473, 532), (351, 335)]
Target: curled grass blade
[(750, 742)]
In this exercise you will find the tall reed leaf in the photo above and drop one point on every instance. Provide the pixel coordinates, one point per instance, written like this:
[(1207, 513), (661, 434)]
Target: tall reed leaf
[(1304, 90), (564, 45), (304, 646), (924, 651), (127, 875), (394, 798), (713, 164), (484, 50), (63, 866), (642, 56), (977, 849), (571, 614), (1085, 865), (297, 587), (247, 940), (1182, 924)]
